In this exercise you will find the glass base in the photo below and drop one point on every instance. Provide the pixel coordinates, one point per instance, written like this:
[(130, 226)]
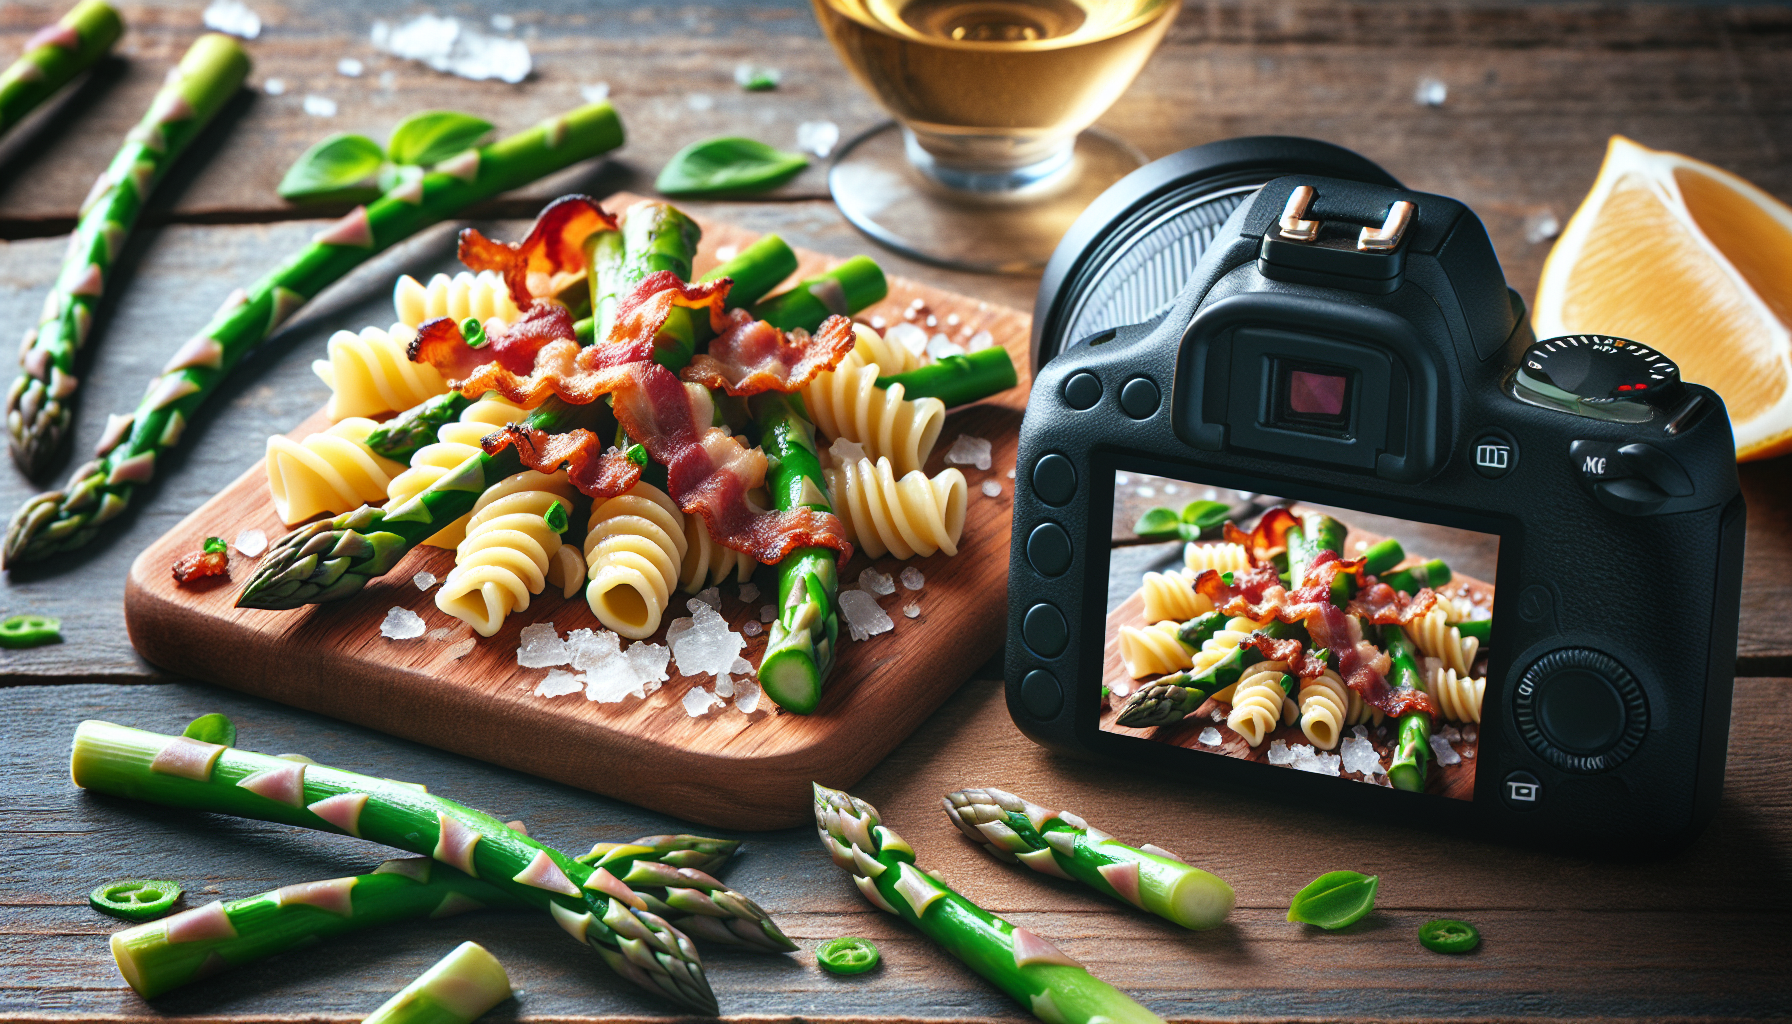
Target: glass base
[(1002, 231)]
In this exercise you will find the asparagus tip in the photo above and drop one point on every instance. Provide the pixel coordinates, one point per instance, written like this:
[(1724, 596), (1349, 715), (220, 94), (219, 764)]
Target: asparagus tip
[(27, 525)]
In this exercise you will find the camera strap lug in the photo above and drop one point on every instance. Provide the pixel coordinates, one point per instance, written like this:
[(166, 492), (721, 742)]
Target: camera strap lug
[(1294, 226), (1387, 237)]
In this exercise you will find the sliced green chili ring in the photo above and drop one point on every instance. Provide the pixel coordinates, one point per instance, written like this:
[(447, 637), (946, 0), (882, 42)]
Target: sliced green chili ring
[(30, 631), (847, 955), (1446, 936), (135, 899)]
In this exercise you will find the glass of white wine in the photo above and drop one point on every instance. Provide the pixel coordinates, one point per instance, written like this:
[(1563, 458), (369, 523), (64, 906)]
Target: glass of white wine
[(991, 156)]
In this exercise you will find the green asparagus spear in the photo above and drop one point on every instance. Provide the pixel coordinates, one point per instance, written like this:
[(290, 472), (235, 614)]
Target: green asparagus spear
[(1063, 845), (799, 650), (54, 56), (1431, 574), (852, 285), (686, 895), (457, 990), (1172, 698), (588, 903), (680, 851), (40, 404), (1412, 747), (1032, 971), (1480, 629), (64, 520), (958, 380), (757, 269)]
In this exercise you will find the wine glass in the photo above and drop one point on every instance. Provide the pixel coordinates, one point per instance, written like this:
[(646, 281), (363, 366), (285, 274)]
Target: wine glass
[(991, 156)]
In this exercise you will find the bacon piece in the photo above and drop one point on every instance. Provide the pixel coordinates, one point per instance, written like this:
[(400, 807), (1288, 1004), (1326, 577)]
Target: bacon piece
[(1268, 537), (201, 564), (552, 251), (752, 356), (1363, 666), (1385, 606), (595, 471), (642, 312), (1255, 594), (513, 346), (1303, 663)]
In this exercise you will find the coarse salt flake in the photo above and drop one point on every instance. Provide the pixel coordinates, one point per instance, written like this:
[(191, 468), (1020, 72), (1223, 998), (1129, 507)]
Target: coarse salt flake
[(540, 646), (818, 137), (746, 696), (969, 450), (401, 624), (349, 67), (1446, 754), (941, 347), (252, 542), (751, 627), (596, 92), (447, 45), (991, 489), (558, 683), (980, 341), (319, 106), (864, 619), (274, 87), (697, 701), (748, 593), (232, 17), (1210, 737), (711, 596), (876, 582), (912, 610), (424, 580), (912, 578)]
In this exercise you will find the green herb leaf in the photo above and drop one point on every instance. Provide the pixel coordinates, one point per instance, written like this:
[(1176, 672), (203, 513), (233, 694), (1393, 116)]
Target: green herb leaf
[(556, 517), (473, 332), (213, 728), (1334, 900), (1157, 524), (1206, 514), (214, 545), (434, 136), (636, 454), (341, 168), (728, 165)]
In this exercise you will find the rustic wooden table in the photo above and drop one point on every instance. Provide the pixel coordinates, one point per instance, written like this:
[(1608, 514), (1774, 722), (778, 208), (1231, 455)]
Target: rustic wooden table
[(1534, 90)]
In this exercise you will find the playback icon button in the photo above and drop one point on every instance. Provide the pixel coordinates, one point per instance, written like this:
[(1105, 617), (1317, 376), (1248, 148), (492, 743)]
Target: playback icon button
[(1494, 454), (1522, 791)]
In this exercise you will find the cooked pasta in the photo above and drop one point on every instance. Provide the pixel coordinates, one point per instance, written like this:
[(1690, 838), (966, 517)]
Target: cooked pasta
[(1324, 709), (371, 373), (1458, 696), (333, 471), (1218, 557), (457, 442), (707, 563), (1432, 634), (1259, 702), (1222, 643), (903, 517), (1362, 712), (872, 347), (566, 570), (633, 551), (1153, 651), (507, 552), (846, 402), (484, 295), (1171, 595)]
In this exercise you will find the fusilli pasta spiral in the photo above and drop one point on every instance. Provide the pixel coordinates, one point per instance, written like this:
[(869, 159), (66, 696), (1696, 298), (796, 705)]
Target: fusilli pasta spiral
[(457, 442), (907, 517), (484, 295), (1153, 651), (846, 402), (371, 373), (871, 347), (1458, 696), (1324, 709), (633, 550), (507, 552), (707, 563), (1432, 634), (1259, 702), (1222, 643), (333, 471), (1218, 557), (1171, 595)]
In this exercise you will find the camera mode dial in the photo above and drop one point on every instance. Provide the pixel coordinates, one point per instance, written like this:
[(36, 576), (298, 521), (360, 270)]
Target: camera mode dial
[(1580, 710), (1598, 376)]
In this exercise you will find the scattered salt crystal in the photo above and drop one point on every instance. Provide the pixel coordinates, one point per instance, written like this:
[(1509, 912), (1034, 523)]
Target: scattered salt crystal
[(727, 252), (991, 489), (461, 649), (558, 683), (1468, 753), (1219, 716), (876, 582), (649, 662), (1469, 733), (952, 320), (607, 674), (755, 78), (844, 452), (1541, 226), (700, 101), (438, 635), (1245, 495), (751, 627), (968, 450), (711, 596), (1010, 472), (1306, 759), (540, 646), (917, 302), (1121, 479), (908, 314), (503, 22), (818, 137), (698, 701), (596, 92), (864, 619), (1446, 754), (746, 696), (1360, 756), (447, 45), (320, 106), (767, 612), (1430, 93), (932, 321), (725, 687), (590, 650), (401, 624), (424, 580), (274, 87), (941, 347), (912, 578), (350, 67), (912, 610), (749, 593), (740, 666), (707, 646), (1172, 489), (232, 17), (910, 337), (252, 542), (1449, 732), (1145, 492), (1279, 752), (1360, 731), (1210, 737), (877, 323)]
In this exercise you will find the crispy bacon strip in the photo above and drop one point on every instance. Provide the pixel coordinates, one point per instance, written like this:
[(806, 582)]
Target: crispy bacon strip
[(1254, 594), (1269, 536), (1303, 663), (513, 346), (551, 253), (1385, 606), (642, 312), (752, 356), (596, 471), (1364, 666)]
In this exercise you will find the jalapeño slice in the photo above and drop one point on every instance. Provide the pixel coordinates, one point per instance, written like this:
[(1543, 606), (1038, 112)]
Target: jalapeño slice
[(1446, 936), (847, 955), (135, 899)]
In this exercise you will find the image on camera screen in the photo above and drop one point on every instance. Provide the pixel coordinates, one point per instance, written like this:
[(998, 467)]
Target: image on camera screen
[(1370, 666)]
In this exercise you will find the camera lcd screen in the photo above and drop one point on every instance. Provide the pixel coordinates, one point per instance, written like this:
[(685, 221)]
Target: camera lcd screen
[(1185, 662)]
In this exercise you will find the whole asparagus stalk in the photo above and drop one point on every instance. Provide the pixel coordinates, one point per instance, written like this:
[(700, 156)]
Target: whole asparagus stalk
[(1412, 747), (1172, 698), (54, 56), (655, 237), (457, 990), (852, 285), (1063, 845), (800, 647), (1032, 971), (958, 380), (40, 404), (686, 894), (64, 520), (589, 903)]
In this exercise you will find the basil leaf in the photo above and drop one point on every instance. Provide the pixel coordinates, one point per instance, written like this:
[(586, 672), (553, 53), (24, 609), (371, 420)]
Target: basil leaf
[(727, 165), (1206, 514), (212, 728), (1334, 900), (1157, 524), (434, 136), (341, 168)]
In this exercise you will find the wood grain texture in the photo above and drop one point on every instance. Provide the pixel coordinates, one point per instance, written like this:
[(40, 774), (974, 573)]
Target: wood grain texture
[(723, 768), (1697, 936)]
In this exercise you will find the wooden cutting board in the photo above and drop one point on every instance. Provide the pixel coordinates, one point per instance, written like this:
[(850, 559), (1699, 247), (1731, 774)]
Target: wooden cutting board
[(725, 768)]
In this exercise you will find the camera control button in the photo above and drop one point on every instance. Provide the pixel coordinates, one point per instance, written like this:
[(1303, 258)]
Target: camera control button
[(1040, 694), (1054, 479), (1494, 455), (1048, 549), (1045, 631), (1522, 791), (1082, 390), (1580, 710), (1139, 398)]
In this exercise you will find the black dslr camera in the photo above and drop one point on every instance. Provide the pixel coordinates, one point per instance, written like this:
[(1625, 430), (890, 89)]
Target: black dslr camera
[(1260, 356)]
